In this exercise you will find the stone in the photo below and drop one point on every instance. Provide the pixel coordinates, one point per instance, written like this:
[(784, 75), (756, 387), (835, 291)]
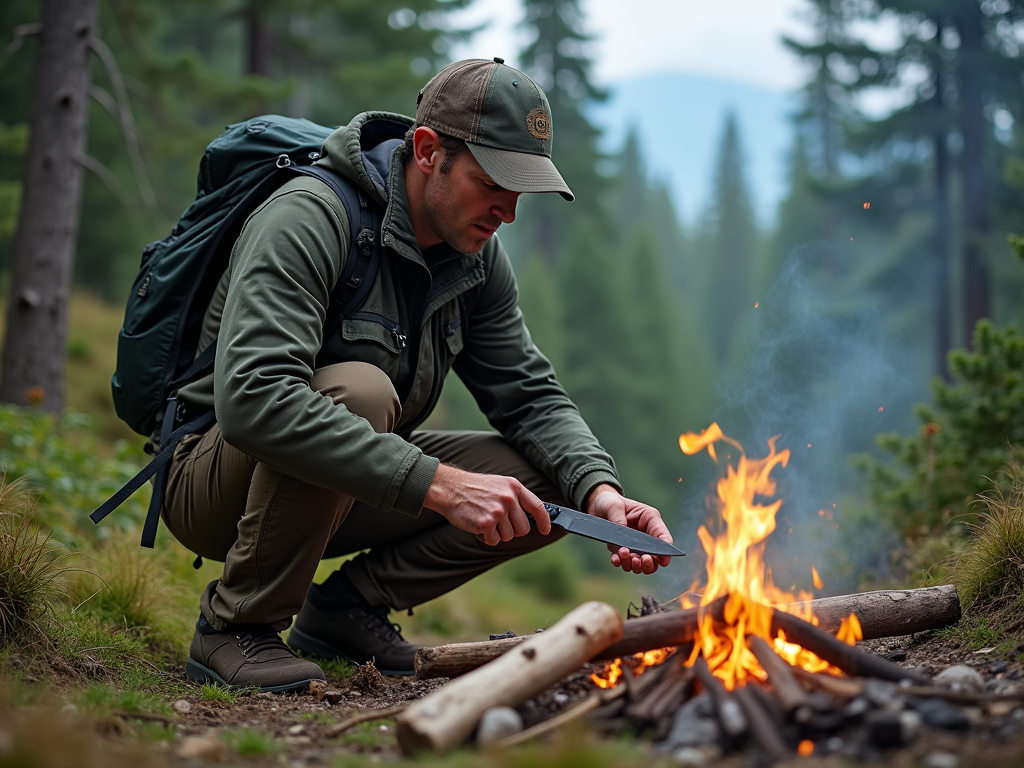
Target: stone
[(208, 748), (295, 730), (910, 725), (938, 714), (690, 757), (941, 760), (496, 724), (885, 730), (855, 708), (880, 693), (334, 697), (898, 655), (961, 678), (182, 706), (695, 724), (998, 667)]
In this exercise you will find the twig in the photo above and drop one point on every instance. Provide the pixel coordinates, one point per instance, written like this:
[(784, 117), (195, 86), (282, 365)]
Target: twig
[(129, 128), (20, 33), (960, 697), (587, 705), (109, 180), (363, 717)]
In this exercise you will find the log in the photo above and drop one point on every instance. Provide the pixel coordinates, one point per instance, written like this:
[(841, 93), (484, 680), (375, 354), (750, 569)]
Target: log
[(646, 633), (848, 658), (663, 697), (767, 736), (448, 716), (885, 613), (787, 690), (890, 612), (730, 714)]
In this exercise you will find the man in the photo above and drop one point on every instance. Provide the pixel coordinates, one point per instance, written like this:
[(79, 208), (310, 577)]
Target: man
[(314, 453)]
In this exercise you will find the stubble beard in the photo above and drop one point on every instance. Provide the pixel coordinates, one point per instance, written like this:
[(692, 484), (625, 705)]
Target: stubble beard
[(448, 222)]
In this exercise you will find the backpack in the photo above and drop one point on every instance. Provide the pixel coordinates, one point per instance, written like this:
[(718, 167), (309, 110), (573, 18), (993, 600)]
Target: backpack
[(157, 344)]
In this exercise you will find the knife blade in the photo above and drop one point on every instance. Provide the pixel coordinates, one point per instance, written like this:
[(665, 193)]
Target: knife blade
[(600, 529)]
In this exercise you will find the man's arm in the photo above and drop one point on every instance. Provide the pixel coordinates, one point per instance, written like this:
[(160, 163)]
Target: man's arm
[(516, 388)]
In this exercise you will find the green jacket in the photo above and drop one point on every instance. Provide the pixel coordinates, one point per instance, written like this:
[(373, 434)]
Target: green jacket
[(269, 312)]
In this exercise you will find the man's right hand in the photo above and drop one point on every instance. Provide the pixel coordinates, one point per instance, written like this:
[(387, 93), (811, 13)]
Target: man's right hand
[(493, 507)]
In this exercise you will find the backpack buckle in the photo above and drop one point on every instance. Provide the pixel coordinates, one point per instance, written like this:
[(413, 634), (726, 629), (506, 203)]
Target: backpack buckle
[(365, 240), (283, 161)]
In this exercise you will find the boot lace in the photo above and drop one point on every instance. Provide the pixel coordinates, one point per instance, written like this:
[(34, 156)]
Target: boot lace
[(254, 640), (377, 622)]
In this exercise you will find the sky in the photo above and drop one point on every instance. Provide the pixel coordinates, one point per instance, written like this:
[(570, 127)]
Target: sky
[(684, 63), (731, 39)]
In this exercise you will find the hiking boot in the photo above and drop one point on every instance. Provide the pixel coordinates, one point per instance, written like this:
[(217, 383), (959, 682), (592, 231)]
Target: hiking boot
[(247, 656), (336, 622)]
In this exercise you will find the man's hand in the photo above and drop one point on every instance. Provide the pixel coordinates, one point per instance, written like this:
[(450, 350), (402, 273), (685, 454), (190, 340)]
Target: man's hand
[(605, 501), (493, 507)]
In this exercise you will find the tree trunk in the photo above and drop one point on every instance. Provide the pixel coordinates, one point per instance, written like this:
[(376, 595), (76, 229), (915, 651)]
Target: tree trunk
[(941, 230), (973, 129), (258, 40), (44, 247)]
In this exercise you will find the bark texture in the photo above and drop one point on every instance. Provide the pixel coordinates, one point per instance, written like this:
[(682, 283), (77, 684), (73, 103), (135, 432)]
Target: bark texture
[(32, 369)]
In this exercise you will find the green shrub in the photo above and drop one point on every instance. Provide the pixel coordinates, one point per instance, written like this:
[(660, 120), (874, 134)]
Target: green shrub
[(64, 464), (974, 429)]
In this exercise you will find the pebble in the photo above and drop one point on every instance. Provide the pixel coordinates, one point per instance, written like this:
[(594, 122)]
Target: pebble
[(690, 757), (938, 714), (182, 707), (898, 655), (961, 678), (695, 724), (208, 748), (998, 667), (334, 697), (295, 730), (941, 760), (496, 724)]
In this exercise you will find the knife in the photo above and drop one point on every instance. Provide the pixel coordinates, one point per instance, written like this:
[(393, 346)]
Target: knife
[(599, 529)]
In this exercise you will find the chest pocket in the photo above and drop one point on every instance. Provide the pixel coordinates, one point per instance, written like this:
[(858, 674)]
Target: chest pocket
[(367, 326)]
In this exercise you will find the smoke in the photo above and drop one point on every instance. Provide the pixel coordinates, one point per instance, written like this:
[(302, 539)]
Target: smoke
[(825, 371)]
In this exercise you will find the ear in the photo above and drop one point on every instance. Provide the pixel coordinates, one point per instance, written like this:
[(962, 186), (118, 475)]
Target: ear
[(427, 150)]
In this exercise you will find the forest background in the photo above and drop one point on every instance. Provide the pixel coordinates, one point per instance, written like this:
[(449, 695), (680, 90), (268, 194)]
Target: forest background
[(823, 326)]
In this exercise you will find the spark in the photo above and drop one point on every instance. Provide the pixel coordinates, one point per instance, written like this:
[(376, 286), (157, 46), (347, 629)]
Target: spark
[(866, 206)]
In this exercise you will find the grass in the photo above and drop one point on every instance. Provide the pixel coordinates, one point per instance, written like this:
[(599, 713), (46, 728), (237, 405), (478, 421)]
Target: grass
[(32, 570), (251, 742), (217, 693)]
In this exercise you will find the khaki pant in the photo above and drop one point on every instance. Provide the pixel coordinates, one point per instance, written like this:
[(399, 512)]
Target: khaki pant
[(271, 530)]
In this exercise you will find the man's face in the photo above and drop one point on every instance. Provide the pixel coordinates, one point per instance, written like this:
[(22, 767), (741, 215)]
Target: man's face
[(464, 206)]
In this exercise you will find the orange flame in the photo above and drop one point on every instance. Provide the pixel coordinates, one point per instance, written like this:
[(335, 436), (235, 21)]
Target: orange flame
[(611, 674), (736, 568)]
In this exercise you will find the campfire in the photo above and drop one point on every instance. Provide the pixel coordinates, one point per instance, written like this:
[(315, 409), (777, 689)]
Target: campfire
[(738, 662), (737, 573)]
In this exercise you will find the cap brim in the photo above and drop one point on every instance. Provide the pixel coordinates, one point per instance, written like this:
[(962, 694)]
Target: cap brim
[(521, 171)]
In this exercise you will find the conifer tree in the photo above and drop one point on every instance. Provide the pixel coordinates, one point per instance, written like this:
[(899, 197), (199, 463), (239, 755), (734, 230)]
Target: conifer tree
[(558, 60), (733, 243)]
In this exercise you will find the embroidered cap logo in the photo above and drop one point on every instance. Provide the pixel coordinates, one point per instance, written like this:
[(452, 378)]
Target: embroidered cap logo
[(539, 124)]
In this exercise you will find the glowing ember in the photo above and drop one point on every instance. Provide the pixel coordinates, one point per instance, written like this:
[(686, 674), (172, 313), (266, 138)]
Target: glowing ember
[(805, 748), (736, 568), (609, 676)]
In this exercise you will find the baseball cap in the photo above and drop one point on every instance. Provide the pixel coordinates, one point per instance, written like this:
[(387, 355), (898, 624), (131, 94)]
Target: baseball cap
[(504, 118)]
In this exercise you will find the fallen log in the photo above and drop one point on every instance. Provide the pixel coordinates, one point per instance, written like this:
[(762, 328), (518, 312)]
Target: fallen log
[(448, 716), (889, 612), (881, 614), (658, 630)]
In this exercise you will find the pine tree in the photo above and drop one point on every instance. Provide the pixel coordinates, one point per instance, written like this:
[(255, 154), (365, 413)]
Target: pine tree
[(559, 62), (733, 243)]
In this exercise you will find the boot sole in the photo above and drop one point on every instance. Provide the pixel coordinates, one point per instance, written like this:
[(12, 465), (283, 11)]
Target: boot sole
[(309, 645), (200, 674)]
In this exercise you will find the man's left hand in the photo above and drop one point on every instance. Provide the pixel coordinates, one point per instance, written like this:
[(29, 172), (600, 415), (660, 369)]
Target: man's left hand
[(605, 501)]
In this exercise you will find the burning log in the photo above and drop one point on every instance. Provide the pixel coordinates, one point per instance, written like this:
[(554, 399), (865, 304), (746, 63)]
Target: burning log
[(665, 696), (787, 690), (881, 614), (837, 653), (448, 716), (887, 613)]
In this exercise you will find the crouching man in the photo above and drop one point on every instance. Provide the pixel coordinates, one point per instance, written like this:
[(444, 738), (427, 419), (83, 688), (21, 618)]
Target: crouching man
[(315, 453)]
